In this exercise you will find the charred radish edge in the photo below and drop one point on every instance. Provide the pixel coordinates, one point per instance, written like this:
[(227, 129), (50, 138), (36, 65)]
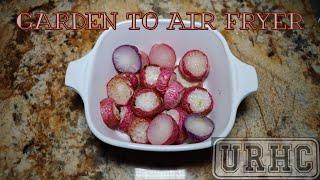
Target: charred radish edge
[(184, 82), (113, 91), (144, 59), (179, 115), (185, 70), (173, 95), (166, 77), (137, 130), (198, 127), (162, 55), (146, 113), (109, 113), (145, 77), (126, 117), (186, 105), (132, 78), (126, 58), (163, 130)]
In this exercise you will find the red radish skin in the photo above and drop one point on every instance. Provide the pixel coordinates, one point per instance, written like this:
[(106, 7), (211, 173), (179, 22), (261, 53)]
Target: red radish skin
[(126, 117), (166, 77), (109, 113), (179, 115), (133, 78), (138, 130), (185, 83), (163, 130), (162, 55), (119, 88), (144, 59), (194, 65), (149, 76), (126, 58), (198, 128), (173, 95), (197, 100), (146, 103)]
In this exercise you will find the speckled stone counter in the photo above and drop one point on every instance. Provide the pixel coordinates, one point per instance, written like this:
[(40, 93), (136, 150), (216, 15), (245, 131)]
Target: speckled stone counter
[(43, 131)]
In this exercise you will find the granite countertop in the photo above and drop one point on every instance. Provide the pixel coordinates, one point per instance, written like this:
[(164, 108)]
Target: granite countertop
[(43, 130)]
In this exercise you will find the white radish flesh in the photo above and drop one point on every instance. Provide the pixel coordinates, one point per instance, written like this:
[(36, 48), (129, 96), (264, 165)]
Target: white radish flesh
[(199, 128), (162, 130), (126, 58)]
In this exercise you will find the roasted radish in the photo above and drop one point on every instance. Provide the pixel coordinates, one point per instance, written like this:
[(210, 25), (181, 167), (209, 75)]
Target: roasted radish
[(162, 130), (119, 88), (149, 76), (146, 103), (173, 95), (162, 55), (179, 115), (126, 117), (194, 65), (109, 112), (126, 58), (144, 59), (199, 128), (138, 130), (133, 78), (166, 77), (197, 100), (185, 83)]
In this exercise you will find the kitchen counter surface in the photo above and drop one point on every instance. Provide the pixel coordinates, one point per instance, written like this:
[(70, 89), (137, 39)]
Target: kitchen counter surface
[(43, 130)]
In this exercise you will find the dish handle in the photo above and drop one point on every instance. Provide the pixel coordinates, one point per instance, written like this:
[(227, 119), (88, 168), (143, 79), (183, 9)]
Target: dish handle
[(76, 72), (247, 80)]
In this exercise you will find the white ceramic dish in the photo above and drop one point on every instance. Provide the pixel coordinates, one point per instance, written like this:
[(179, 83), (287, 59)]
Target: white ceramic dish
[(229, 79)]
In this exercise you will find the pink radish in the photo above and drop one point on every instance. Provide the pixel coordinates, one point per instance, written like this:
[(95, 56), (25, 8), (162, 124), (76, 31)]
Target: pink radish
[(149, 76), (162, 55), (185, 83), (119, 88), (162, 130), (173, 95), (133, 78), (179, 115), (166, 77), (126, 58), (144, 59), (126, 117), (197, 100), (138, 130), (109, 113), (146, 103), (194, 65), (199, 128)]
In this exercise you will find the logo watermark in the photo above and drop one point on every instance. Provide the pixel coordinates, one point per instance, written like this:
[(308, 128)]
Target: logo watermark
[(265, 158)]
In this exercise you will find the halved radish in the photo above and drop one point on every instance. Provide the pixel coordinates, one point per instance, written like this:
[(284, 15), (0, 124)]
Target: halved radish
[(126, 58), (179, 115), (166, 77), (173, 95), (119, 88), (197, 100), (144, 59), (138, 130), (133, 78), (149, 76), (162, 55), (194, 65), (162, 130), (185, 82), (199, 128), (146, 103), (109, 112), (126, 117)]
